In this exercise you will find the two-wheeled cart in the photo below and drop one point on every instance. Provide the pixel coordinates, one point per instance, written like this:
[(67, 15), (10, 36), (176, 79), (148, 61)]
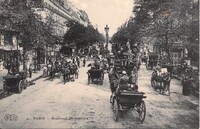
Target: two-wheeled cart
[(95, 75)]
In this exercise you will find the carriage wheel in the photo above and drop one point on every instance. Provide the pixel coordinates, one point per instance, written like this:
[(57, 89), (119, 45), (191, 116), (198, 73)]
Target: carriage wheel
[(152, 83), (111, 101), (116, 110), (20, 85), (25, 84), (5, 90), (168, 90), (88, 80), (142, 111)]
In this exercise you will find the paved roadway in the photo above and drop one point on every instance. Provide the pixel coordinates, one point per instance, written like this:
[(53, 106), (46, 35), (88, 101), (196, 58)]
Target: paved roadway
[(78, 105), (2, 73)]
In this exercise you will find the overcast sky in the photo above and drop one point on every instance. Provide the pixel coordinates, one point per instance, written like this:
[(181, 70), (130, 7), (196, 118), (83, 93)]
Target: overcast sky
[(102, 12)]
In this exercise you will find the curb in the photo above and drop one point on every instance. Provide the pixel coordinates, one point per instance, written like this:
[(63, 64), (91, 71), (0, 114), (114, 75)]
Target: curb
[(35, 79)]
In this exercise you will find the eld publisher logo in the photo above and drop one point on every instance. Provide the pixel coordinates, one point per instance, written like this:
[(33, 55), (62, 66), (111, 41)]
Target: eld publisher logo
[(10, 117)]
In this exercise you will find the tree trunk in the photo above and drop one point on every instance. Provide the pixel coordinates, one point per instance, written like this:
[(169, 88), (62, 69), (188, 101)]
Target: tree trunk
[(167, 45), (24, 56)]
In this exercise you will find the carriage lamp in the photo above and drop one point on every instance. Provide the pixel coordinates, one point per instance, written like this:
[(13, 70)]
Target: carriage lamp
[(106, 30)]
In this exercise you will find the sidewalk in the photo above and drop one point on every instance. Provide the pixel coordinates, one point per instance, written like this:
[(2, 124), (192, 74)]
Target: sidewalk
[(35, 76)]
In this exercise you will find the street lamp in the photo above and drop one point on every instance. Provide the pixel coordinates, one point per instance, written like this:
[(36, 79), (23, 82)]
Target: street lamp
[(106, 30)]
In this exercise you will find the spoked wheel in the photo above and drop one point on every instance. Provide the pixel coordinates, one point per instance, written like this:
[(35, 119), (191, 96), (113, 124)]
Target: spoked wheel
[(142, 111), (5, 90), (20, 85), (88, 80), (112, 102), (25, 84), (116, 110), (110, 98)]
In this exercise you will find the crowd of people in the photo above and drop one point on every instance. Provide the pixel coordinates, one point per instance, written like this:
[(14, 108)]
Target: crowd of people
[(124, 74), (65, 66)]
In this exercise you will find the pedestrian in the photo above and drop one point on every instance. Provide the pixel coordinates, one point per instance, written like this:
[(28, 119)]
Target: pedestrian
[(30, 70), (45, 71), (78, 62), (123, 81), (84, 61), (14, 67)]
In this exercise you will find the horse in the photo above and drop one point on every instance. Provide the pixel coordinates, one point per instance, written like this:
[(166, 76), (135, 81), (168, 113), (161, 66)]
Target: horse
[(156, 80), (52, 72), (66, 74), (114, 80), (166, 83)]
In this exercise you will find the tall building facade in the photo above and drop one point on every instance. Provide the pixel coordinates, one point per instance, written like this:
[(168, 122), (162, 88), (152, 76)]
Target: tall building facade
[(61, 11)]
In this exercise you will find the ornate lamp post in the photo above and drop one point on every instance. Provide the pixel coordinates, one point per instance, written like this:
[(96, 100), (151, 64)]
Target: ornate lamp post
[(106, 30)]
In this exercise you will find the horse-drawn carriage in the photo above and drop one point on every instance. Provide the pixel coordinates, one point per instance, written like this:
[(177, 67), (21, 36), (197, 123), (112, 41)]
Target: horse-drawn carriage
[(123, 100), (16, 82), (152, 61), (95, 76), (160, 79), (128, 100), (70, 73), (121, 64)]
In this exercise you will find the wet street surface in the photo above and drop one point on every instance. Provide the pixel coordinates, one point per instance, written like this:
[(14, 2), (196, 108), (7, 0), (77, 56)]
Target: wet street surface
[(53, 104)]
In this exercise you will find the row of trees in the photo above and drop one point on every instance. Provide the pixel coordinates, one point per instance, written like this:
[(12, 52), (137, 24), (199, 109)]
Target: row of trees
[(82, 36), (15, 15), (163, 22)]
